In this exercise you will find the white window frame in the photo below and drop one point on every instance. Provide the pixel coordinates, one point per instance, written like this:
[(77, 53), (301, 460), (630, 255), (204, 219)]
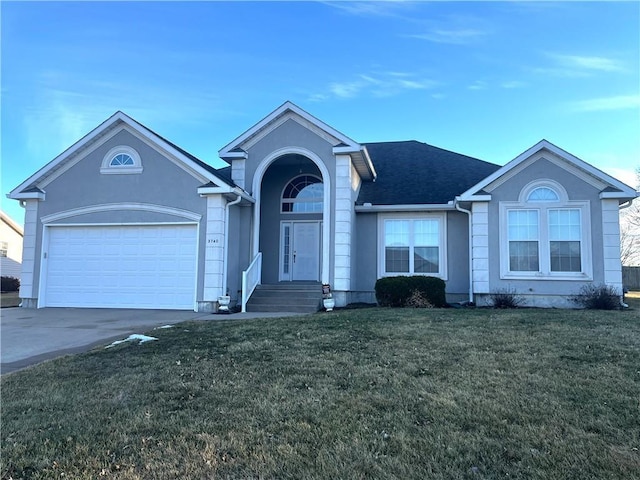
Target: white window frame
[(544, 254), (107, 169), (295, 200), (442, 250)]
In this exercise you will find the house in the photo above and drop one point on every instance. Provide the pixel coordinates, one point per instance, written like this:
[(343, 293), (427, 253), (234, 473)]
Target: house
[(126, 218), (10, 247)]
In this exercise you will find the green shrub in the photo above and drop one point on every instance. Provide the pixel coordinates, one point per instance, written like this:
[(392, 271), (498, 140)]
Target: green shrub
[(598, 297), (506, 298), (397, 291), (9, 284)]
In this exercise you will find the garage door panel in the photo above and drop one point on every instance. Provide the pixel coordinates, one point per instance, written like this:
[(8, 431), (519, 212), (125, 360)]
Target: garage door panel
[(122, 266)]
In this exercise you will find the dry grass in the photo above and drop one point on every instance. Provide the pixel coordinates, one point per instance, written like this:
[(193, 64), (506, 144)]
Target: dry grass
[(370, 393)]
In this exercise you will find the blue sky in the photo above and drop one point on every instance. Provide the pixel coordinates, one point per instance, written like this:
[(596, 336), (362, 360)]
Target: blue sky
[(485, 79)]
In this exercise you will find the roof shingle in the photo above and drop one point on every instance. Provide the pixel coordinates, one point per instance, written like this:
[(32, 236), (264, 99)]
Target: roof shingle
[(412, 172)]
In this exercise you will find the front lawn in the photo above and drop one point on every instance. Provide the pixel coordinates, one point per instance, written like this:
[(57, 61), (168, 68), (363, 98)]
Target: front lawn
[(370, 393)]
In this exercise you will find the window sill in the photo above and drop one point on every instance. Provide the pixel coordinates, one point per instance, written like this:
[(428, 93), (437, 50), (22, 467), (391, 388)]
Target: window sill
[(120, 170), (407, 274), (562, 276)]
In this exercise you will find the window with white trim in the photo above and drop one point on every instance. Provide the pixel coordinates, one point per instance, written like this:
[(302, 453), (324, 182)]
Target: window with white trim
[(121, 160), (303, 194), (412, 245), (545, 234), (4, 249)]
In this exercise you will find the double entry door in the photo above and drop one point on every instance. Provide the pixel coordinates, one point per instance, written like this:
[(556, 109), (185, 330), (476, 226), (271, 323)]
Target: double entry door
[(300, 250)]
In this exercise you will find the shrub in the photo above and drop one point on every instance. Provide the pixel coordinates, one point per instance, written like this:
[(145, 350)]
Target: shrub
[(10, 284), (396, 291), (506, 298), (598, 297)]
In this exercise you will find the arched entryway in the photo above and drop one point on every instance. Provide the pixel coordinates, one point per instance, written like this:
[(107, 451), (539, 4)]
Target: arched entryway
[(292, 209)]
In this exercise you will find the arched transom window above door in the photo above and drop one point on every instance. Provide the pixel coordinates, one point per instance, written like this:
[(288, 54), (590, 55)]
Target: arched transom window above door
[(303, 194)]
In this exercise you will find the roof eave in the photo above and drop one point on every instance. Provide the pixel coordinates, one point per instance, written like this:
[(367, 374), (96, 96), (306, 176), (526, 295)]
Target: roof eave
[(26, 195), (473, 198), (371, 208), (360, 159), (622, 196)]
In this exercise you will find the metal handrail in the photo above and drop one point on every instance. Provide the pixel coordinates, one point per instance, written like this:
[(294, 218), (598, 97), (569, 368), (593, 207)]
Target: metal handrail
[(251, 278)]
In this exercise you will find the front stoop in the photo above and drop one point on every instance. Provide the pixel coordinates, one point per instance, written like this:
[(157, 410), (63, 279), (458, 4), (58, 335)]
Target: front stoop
[(286, 297)]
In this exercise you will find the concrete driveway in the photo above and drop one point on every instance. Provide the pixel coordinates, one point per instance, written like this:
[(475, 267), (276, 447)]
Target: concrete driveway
[(30, 336)]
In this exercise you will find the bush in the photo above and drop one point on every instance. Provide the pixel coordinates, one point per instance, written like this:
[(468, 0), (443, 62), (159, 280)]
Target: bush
[(506, 298), (10, 284), (598, 297), (397, 291)]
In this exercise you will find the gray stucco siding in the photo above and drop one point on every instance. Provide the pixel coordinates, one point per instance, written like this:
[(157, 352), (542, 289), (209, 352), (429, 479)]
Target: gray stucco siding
[(577, 190), (161, 183), (365, 252), (289, 134), (457, 253), (239, 252)]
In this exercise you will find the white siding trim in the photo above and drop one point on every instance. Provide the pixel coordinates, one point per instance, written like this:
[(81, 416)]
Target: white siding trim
[(238, 166), (109, 207), (480, 246), (29, 249), (611, 241), (343, 225), (214, 254)]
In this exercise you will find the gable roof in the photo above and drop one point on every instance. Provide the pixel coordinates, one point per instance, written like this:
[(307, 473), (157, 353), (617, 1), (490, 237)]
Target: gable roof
[(341, 144), (412, 172), (612, 188), (30, 188)]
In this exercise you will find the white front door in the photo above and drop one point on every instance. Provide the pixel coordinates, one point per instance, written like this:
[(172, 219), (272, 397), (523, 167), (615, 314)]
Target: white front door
[(300, 251)]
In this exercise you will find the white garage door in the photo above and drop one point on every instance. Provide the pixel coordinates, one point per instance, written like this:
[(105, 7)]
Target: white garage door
[(121, 267)]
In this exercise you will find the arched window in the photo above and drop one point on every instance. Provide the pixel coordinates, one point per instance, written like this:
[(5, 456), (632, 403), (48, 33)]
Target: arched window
[(121, 160), (543, 194), (303, 194), (545, 234)]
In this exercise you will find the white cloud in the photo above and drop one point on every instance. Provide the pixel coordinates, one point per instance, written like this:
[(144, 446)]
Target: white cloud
[(592, 63), (580, 65), (460, 36), (619, 102), (478, 85), (388, 8), (511, 84), (384, 84)]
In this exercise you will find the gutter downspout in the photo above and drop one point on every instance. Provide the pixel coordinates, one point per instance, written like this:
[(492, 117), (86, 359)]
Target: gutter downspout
[(626, 204), (225, 262), (468, 212)]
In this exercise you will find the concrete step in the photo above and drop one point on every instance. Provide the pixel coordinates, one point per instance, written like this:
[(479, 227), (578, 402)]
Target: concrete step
[(286, 297)]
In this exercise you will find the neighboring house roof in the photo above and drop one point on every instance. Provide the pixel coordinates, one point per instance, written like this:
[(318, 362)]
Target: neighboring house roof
[(32, 186), (11, 223), (412, 172), (610, 187)]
